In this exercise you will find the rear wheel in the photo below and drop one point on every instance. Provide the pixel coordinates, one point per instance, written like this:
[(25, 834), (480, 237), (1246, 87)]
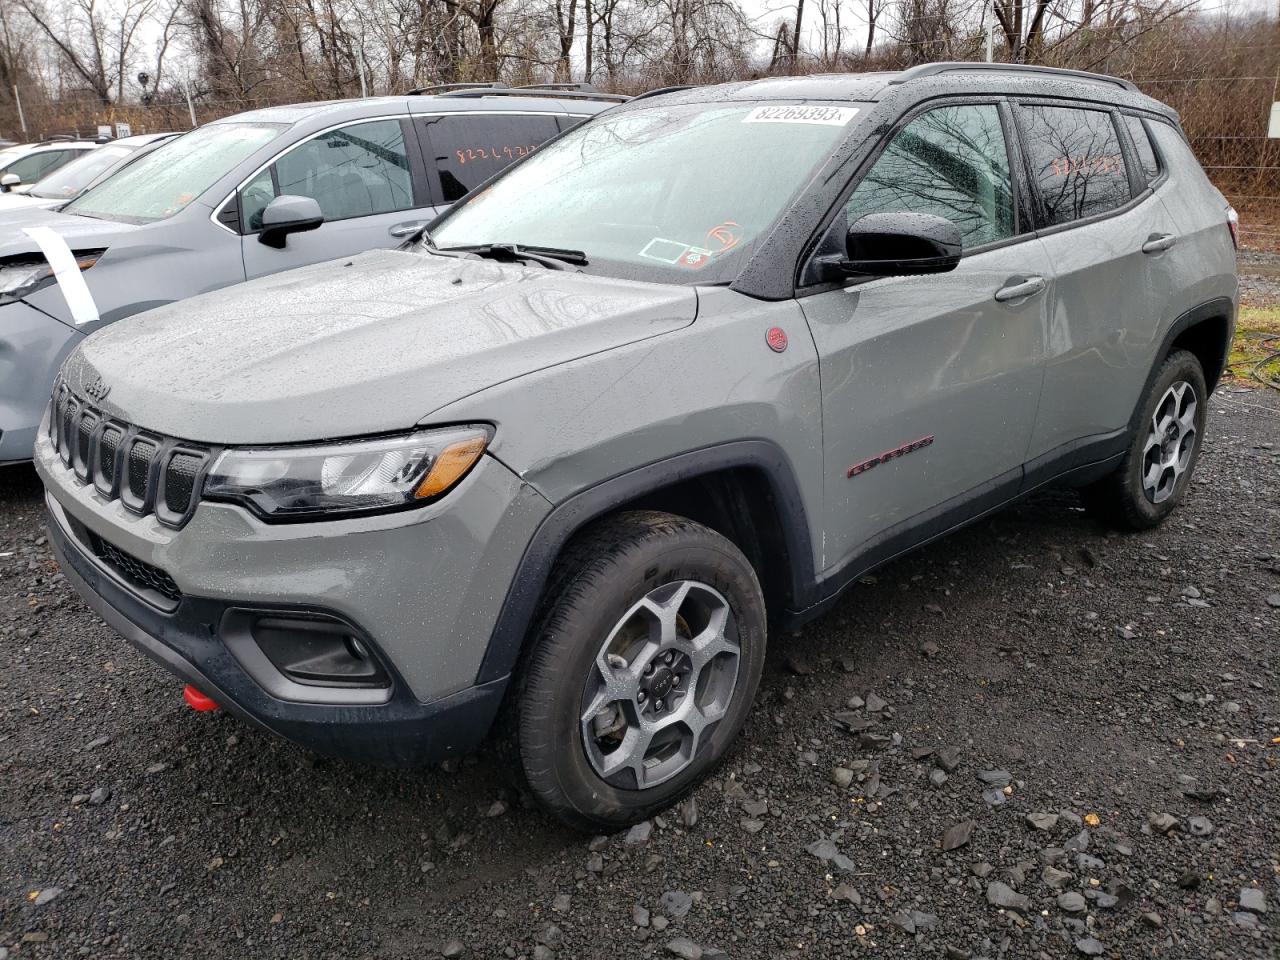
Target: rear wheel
[(642, 671), (1156, 471)]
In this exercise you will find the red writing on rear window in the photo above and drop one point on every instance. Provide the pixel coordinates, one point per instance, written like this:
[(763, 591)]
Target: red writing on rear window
[(1109, 163)]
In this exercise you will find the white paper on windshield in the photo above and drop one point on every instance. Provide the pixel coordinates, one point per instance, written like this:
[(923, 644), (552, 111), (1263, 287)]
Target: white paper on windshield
[(667, 251), (67, 273), (798, 113)]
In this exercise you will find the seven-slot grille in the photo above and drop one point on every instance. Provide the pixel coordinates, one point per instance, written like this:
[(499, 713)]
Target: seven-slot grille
[(148, 473)]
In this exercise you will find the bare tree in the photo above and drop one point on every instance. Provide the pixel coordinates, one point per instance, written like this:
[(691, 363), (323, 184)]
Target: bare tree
[(94, 42)]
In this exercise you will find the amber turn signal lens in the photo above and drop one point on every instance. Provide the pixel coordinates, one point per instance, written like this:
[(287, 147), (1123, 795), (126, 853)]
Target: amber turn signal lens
[(454, 460)]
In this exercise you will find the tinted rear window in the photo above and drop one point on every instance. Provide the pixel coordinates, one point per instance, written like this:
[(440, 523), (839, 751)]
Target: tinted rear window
[(1076, 160), (467, 150)]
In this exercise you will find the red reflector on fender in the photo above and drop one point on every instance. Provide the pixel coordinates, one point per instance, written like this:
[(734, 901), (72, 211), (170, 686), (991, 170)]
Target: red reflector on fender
[(197, 700)]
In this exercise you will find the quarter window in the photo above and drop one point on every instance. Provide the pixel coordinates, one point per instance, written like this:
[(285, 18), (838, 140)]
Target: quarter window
[(1142, 144), (1076, 160), (354, 171), (469, 149), (951, 162)]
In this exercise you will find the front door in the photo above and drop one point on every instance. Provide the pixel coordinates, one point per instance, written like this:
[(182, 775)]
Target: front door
[(930, 384), (362, 177)]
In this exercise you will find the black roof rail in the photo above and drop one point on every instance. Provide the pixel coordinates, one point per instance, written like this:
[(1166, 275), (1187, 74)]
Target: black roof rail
[(659, 91), (535, 92), (934, 69), (444, 87), (580, 87)]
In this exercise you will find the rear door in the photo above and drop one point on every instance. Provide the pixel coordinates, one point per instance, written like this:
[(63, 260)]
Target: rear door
[(930, 384), (1105, 234), (465, 149), (1201, 265), (367, 178)]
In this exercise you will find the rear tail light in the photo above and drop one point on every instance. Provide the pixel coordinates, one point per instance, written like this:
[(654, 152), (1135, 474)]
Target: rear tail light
[(1233, 224)]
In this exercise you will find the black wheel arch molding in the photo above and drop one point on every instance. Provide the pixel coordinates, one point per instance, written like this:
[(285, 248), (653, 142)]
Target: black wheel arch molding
[(566, 519)]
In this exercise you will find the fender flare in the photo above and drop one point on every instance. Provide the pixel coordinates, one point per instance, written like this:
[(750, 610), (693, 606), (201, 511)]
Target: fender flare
[(1209, 310), (568, 517)]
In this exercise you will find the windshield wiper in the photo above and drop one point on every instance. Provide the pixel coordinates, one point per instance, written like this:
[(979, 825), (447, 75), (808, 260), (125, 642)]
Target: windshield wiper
[(553, 258)]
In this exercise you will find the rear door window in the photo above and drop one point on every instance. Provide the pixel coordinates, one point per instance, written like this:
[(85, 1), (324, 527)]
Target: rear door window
[(467, 149), (1076, 161), (1146, 154)]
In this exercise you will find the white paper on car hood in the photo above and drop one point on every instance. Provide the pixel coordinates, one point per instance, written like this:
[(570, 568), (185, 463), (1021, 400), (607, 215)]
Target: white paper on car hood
[(66, 271)]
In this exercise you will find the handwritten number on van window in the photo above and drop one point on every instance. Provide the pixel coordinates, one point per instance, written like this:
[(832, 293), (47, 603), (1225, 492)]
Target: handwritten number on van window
[(507, 153)]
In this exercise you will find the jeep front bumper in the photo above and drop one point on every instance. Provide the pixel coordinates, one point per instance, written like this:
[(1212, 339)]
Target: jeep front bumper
[(421, 590)]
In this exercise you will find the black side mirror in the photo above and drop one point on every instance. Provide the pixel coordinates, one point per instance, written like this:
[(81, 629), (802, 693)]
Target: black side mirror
[(288, 214), (900, 244)]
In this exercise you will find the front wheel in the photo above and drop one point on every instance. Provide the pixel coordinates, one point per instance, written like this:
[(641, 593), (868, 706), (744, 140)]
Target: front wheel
[(1156, 471), (643, 669)]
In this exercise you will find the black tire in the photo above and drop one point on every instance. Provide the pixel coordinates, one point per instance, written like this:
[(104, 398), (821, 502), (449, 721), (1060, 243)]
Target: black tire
[(596, 582), (1119, 498)]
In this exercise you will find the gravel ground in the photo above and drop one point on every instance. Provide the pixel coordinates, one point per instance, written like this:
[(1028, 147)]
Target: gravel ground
[(1032, 739), (1259, 278)]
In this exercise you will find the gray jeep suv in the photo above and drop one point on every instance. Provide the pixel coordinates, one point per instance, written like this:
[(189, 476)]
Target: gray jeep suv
[(687, 371)]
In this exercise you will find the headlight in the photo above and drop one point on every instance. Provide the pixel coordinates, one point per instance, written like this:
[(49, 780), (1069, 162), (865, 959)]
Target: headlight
[(21, 277), (346, 478)]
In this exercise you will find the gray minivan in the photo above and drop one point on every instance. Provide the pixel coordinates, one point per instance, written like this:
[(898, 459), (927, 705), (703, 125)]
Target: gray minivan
[(246, 196)]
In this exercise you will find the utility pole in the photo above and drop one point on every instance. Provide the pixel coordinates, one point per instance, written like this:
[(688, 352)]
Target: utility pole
[(191, 107), (363, 92), (22, 118)]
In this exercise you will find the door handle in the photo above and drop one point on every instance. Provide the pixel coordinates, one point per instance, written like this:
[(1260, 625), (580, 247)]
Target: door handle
[(406, 229), (1020, 289), (1159, 243)]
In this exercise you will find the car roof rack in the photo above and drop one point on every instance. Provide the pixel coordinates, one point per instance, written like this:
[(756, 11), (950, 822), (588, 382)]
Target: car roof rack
[(935, 69), (447, 87), (571, 87), (659, 91), (539, 91)]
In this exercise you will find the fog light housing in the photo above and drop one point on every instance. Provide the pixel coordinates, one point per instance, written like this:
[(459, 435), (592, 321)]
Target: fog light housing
[(318, 652), (306, 656)]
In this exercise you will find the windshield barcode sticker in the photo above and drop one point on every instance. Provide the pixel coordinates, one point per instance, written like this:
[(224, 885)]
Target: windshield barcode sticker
[(828, 116)]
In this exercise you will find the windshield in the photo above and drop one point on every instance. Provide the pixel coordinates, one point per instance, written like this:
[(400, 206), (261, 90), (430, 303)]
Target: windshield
[(76, 175), (163, 182), (668, 193)]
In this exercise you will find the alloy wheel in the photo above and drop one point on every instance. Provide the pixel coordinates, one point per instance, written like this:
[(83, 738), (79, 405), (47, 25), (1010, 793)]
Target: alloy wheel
[(1171, 440), (660, 682)]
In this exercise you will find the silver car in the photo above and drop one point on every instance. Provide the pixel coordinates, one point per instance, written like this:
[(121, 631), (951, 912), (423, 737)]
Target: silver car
[(688, 371), (231, 200)]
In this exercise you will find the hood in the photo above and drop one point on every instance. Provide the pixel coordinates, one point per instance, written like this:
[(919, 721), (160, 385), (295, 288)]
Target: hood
[(20, 201), (358, 346), (81, 233)]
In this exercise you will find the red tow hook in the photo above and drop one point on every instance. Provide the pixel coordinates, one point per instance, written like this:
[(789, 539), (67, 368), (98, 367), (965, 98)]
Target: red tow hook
[(197, 700)]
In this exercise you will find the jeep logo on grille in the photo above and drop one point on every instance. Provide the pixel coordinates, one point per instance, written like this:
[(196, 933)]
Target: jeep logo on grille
[(96, 390)]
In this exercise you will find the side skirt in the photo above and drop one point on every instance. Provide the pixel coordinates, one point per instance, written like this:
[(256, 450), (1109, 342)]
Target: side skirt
[(1073, 464)]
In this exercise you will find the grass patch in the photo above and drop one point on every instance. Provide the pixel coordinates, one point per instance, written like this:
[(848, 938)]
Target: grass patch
[(1253, 326)]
